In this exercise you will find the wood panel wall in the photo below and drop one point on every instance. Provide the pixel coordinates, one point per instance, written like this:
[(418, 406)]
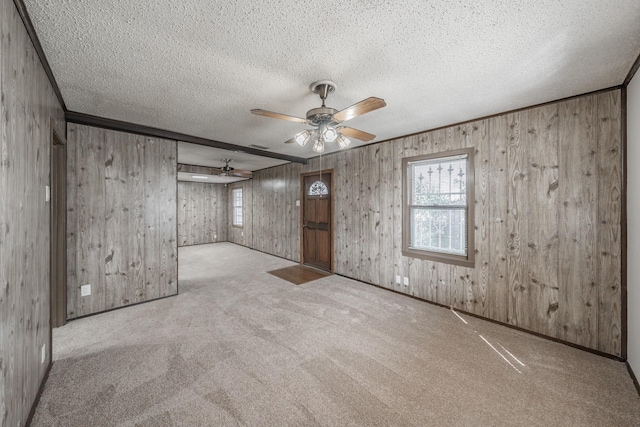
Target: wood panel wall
[(632, 155), (275, 227), (547, 218), (28, 110), (121, 219), (202, 213)]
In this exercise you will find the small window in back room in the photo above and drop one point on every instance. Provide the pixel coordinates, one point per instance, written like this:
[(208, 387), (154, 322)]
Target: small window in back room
[(438, 207), (236, 195)]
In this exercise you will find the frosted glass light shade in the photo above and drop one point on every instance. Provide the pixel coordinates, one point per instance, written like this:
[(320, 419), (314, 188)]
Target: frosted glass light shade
[(303, 137), (328, 133), (318, 146), (343, 141)]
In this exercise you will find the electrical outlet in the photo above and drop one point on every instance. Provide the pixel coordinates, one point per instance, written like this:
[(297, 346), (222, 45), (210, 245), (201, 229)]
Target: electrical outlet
[(85, 290), (397, 280), (47, 193), (215, 236), (44, 353), (242, 233), (406, 281), (297, 203)]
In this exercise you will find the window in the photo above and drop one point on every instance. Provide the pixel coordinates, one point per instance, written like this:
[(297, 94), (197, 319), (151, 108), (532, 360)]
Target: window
[(318, 188), (236, 195), (438, 207)]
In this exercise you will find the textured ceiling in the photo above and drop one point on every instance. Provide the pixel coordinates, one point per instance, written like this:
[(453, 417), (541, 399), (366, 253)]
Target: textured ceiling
[(198, 66)]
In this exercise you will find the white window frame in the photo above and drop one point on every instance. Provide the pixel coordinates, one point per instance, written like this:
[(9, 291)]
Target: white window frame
[(236, 211), (408, 249)]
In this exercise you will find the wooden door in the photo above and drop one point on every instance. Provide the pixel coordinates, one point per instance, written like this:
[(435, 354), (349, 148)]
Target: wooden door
[(58, 243), (317, 244)]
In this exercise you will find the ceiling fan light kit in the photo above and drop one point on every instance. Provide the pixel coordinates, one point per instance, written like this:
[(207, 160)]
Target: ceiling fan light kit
[(326, 120)]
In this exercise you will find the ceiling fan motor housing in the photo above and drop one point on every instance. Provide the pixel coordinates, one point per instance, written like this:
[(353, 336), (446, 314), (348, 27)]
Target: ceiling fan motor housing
[(315, 116)]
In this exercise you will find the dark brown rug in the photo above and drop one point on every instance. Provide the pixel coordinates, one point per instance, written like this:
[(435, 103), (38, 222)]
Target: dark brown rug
[(299, 274)]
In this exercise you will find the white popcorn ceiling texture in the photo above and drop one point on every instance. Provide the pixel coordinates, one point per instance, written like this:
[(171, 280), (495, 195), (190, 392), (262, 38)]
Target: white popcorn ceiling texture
[(198, 66)]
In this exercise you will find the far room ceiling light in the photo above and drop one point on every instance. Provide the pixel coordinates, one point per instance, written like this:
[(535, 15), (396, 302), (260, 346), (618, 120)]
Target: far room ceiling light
[(327, 121), (227, 170)]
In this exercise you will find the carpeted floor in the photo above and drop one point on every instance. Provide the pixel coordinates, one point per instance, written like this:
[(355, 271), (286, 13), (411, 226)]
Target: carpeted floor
[(239, 346)]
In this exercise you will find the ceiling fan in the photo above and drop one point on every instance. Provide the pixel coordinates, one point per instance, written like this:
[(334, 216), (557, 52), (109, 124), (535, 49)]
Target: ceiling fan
[(327, 121), (227, 170)]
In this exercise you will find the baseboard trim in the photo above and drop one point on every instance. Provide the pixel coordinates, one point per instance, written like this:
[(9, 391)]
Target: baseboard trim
[(517, 328), (633, 376), (124, 306), (477, 316), (203, 243), (32, 412)]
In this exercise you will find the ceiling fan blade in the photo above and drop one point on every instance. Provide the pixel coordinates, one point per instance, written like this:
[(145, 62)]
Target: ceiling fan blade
[(241, 173), (355, 133), (363, 107), (278, 116)]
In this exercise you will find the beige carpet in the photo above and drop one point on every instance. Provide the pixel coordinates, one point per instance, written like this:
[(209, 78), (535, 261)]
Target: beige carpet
[(239, 346)]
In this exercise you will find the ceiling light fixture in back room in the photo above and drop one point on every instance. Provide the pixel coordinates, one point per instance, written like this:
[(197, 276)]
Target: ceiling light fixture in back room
[(227, 170), (327, 121)]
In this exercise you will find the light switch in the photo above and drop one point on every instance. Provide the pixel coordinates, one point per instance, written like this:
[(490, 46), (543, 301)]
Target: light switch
[(85, 290)]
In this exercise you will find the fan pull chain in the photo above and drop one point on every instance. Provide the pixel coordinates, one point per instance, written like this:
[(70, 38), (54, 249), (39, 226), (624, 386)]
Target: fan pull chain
[(320, 167)]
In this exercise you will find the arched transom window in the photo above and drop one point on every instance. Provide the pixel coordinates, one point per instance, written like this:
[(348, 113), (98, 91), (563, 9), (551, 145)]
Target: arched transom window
[(318, 188)]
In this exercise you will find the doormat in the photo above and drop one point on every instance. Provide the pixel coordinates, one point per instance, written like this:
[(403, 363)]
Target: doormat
[(299, 274)]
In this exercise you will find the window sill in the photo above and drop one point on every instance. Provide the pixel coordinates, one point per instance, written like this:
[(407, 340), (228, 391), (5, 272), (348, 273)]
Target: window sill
[(439, 257)]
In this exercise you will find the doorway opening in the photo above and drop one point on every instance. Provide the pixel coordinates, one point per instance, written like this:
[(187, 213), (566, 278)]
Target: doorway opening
[(58, 200)]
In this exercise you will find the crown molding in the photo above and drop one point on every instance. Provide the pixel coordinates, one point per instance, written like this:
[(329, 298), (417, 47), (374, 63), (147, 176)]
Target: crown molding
[(117, 125)]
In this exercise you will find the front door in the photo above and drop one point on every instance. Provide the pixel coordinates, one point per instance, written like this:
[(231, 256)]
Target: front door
[(316, 220)]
